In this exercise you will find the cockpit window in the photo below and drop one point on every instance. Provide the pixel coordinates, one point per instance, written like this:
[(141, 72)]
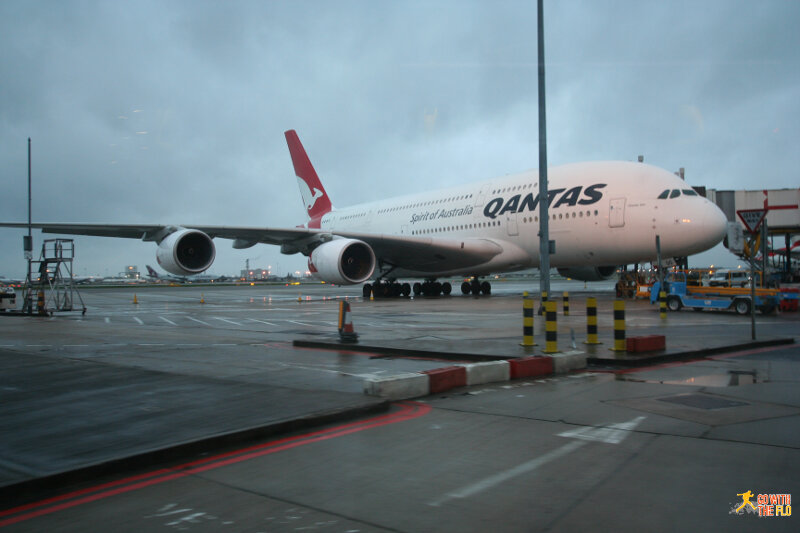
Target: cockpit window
[(675, 193), (689, 192), (663, 195)]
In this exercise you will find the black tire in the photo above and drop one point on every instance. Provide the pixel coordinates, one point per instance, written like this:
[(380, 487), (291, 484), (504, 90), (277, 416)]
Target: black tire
[(741, 306), (466, 287), (367, 290), (476, 287), (486, 288), (447, 288), (417, 288), (674, 303), (406, 289)]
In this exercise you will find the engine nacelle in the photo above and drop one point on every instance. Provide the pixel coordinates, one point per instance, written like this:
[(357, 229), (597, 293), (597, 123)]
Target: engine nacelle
[(588, 273), (342, 261), (185, 252)]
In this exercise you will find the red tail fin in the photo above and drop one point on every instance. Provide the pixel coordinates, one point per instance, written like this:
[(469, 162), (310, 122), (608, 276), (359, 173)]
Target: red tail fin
[(315, 198)]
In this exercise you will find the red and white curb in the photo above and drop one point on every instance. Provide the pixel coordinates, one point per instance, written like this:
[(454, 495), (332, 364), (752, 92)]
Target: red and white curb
[(417, 384)]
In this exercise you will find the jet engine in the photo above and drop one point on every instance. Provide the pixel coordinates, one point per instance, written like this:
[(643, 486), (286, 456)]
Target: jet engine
[(343, 261), (588, 273), (185, 252)]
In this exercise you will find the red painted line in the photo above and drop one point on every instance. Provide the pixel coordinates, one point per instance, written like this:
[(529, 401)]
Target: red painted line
[(702, 358), (408, 411)]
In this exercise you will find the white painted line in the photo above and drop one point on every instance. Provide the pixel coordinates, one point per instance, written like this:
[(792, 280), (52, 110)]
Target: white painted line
[(186, 344), (39, 345), (302, 323), (501, 477), (613, 434), (168, 321), (139, 320), (149, 344), (225, 344), (262, 322), (75, 345), (198, 321), (226, 320)]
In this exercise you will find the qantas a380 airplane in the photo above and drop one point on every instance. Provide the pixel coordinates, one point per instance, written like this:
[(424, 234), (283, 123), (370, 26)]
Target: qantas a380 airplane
[(602, 215)]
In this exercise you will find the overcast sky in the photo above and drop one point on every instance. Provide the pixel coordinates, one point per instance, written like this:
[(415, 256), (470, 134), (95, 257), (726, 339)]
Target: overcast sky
[(174, 111)]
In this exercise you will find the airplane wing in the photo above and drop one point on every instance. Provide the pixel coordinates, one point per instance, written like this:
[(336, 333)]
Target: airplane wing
[(148, 232), (410, 253)]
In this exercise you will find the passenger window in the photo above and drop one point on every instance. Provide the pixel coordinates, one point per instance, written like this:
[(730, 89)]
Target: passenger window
[(675, 193), (663, 195), (689, 192)]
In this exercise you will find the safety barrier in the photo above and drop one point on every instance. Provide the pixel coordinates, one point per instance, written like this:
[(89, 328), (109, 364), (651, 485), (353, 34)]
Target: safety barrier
[(527, 367), (591, 321), (40, 303), (565, 298), (527, 320), (550, 328), (619, 326), (443, 379)]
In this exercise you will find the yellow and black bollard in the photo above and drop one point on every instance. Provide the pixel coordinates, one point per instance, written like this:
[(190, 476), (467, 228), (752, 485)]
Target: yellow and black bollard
[(619, 326), (591, 321), (544, 301), (662, 303), (527, 320), (550, 328), (565, 297), (40, 303)]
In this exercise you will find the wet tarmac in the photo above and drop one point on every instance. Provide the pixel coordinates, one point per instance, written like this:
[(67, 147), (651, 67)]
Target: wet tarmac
[(174, 414)]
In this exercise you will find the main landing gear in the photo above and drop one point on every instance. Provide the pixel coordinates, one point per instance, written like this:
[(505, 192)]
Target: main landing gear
[(393, 289), (476, 287), (387, 289)]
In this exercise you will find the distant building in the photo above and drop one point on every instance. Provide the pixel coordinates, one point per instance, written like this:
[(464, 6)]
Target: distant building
[(255, 274), (131, 272)]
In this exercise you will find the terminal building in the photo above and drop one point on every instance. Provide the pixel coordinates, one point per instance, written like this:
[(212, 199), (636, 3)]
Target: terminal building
[(782, 221)]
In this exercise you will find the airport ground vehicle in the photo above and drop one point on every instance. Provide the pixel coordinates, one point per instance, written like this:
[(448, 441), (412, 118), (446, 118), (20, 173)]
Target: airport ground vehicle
[(8, 298), (698, 297)]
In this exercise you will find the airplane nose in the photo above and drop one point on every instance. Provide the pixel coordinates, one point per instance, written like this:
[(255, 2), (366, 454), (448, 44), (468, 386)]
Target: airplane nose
[(715, 225)]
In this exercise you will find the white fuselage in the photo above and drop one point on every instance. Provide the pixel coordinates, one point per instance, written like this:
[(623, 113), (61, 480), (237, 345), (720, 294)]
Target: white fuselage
[(600, 214)]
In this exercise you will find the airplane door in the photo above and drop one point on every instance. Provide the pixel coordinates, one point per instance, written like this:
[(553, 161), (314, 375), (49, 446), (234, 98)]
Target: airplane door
[(616, 215), (511, 224)]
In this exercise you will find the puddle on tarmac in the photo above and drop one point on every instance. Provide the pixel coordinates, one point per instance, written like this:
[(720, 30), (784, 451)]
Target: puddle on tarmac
[(732, 378)]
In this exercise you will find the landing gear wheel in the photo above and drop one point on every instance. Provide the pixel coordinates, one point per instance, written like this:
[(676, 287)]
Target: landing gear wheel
[(476, 287), (486, 288), (417, 288), (406, 289), (367, 290), (447, 288), (466, 287)]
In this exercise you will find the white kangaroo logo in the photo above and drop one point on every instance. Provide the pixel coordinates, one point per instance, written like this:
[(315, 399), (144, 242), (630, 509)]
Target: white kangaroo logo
[(309, 198)]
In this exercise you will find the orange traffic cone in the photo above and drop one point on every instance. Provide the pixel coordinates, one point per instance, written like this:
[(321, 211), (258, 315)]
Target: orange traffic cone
[(346, 331)]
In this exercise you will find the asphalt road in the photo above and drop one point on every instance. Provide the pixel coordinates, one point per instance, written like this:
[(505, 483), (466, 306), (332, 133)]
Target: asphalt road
[(659, 449)]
